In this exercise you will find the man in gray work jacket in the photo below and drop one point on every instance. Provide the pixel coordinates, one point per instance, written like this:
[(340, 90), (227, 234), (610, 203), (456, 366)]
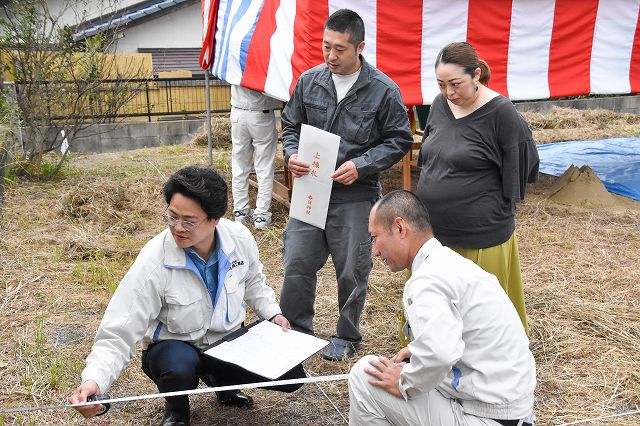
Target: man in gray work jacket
[(352, 99)]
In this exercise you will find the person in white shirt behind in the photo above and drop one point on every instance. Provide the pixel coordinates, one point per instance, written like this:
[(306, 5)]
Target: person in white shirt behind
[(468, 362), (254, 137)]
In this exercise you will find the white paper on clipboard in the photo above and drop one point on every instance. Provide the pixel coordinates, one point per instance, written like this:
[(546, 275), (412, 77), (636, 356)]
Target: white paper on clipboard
[(268, 351), (311, 193)]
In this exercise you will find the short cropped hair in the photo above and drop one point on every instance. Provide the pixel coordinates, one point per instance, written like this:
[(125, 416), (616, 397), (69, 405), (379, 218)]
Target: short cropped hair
[(203, 185), (402, 204), (347, 21)]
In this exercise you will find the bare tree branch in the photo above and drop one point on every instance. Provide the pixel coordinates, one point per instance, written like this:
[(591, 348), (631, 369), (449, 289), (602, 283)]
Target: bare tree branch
[(58, 77)]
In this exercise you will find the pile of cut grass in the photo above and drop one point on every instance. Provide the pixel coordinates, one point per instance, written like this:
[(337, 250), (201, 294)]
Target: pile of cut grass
[(220, 133), (565, 124)]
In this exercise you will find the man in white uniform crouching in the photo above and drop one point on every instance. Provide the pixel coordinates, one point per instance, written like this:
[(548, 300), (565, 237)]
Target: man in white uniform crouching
[(468, 362)]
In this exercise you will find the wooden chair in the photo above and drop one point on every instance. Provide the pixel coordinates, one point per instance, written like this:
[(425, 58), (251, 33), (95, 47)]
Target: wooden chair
[(410, 160), (411, 157)]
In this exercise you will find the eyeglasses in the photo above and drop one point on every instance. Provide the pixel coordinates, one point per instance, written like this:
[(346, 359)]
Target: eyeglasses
[(187, 225)]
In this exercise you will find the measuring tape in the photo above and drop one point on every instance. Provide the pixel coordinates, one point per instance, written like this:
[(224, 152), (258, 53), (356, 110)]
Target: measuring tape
[(197, 391)]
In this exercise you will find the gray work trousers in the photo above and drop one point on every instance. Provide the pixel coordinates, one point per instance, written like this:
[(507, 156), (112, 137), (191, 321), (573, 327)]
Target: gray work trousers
[(306, 249)]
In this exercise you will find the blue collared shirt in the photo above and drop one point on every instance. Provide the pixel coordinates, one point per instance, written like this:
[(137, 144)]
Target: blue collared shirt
[(208, 270)]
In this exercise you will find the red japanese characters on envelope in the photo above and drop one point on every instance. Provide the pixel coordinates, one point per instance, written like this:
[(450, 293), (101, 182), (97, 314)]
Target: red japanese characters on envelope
[(311, 193)]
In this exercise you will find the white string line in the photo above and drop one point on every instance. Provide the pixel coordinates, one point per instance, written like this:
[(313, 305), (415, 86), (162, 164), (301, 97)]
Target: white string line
[(593, 419), (183, 392), (327, 396), (198, 391), (157, 170)]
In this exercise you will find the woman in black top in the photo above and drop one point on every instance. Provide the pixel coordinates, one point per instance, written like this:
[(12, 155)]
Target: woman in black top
[(475, 167)]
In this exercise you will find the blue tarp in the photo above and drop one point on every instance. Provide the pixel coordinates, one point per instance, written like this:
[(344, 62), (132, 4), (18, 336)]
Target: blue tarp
[(616, 162)]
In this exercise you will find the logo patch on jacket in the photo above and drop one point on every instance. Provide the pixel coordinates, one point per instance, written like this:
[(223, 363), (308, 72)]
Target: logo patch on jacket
[(236, 263)]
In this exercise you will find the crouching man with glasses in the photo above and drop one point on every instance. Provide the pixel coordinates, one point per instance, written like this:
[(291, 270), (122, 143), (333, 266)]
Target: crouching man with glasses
[(184, 292)]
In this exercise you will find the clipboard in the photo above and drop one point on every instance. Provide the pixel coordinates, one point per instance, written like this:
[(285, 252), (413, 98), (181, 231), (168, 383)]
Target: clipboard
[(232, 336), (264, 349)]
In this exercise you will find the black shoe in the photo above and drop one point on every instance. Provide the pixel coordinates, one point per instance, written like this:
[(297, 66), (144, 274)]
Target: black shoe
[(234, 398), (173, 417), (208, 380), (339, 349)]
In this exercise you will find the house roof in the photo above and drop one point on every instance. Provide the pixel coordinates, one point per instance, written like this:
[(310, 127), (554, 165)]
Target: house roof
[(132, 15)]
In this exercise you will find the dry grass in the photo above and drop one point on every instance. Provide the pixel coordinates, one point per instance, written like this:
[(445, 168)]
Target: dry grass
[(220, 133), (65, 245), (564, 124), (583, 284)]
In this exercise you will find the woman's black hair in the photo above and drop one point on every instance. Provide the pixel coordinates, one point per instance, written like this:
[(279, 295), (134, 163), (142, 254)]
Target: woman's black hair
[(463, 54)]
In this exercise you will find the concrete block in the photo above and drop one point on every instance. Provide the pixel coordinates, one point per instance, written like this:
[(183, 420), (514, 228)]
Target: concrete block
[(147, 142), (172, 128), (118, 144), (88, 145), (629, 103), (195, 126), (139, 130)]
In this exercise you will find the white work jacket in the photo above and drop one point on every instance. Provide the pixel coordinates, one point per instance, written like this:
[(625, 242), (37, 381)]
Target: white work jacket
[(467, 339), (163, 297)]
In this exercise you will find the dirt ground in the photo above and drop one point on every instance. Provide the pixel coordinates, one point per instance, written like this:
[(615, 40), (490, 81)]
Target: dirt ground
[(64, 246)]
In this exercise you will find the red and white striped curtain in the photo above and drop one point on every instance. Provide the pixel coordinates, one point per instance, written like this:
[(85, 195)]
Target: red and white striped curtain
[(209, 15), (536, 48)]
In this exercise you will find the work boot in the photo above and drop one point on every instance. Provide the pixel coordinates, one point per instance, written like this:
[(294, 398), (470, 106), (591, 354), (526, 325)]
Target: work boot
[(175, 416), (339, 349), (234, 398)]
